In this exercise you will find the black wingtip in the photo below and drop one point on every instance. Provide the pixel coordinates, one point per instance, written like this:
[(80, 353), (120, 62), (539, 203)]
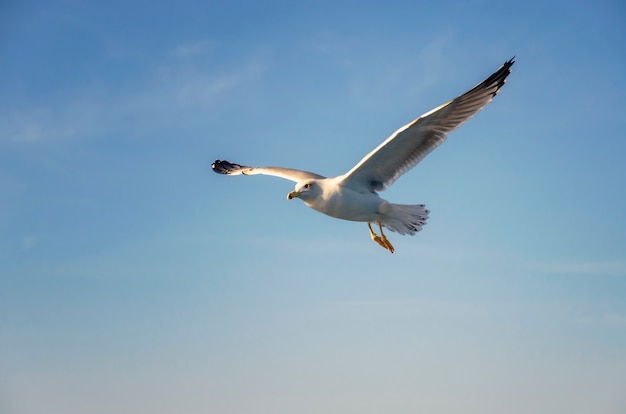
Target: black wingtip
[(507, 65), (221, 167), (499, 77), (225, 167)]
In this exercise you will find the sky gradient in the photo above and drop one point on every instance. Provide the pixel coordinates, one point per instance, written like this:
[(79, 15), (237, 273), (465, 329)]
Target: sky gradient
[(133, 279)]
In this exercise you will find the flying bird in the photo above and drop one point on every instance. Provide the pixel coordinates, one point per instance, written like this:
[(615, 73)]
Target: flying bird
[(354, 195)]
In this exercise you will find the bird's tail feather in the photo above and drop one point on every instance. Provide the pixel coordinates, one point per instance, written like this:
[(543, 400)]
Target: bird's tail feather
[(406, 218)]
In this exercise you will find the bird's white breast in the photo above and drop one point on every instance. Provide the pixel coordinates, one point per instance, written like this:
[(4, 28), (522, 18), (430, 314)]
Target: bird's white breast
[(344, 203)]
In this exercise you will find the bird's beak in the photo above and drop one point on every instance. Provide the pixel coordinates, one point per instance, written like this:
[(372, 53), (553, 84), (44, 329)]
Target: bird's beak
[(293, 194)]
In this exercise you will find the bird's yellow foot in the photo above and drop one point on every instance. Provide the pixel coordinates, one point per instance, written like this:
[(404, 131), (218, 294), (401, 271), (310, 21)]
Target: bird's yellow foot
[(381, 240), (388, 245)]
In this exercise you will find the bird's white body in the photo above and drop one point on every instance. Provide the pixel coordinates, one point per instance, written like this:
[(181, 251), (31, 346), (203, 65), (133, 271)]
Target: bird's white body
[(330, 197), (353, 195), (336, 200)]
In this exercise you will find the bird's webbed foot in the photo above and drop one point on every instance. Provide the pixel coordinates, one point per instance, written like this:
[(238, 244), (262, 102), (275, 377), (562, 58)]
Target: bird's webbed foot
[(382, 239)]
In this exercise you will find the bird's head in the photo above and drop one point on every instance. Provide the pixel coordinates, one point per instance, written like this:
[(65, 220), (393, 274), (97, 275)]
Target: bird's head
[(306, 190)]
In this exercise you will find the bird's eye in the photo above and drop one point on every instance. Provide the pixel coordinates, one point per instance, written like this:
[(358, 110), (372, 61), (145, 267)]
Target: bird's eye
[(307, 186)]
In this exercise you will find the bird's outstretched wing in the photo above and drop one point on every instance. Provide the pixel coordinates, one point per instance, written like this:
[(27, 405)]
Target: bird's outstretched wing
[(227, 168), (410, 144)]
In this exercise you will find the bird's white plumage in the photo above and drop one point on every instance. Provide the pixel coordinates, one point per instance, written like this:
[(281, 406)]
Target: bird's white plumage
[(406, 147), (353, 196)]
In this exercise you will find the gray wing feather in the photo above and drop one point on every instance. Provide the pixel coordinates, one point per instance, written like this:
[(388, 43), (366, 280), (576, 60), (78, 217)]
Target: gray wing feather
[(406, 147), (227, 168)]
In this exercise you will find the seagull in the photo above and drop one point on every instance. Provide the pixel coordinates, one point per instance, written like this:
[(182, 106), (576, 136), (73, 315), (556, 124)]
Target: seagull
[(354, 195)]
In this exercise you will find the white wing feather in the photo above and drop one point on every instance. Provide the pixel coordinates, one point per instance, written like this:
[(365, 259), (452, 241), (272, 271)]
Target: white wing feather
[(227, 168), (406, 147)]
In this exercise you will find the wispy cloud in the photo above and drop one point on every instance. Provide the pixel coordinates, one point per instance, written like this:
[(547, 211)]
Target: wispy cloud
[(607, 318), (194, 48), (369, 83), (48, 123), (614, 318), (11, 188), (168, 92), (28, 242), (399, 308), (600, 268)]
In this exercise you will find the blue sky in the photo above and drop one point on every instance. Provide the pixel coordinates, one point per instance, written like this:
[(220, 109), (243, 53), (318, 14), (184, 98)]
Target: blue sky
[(132, 279)]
